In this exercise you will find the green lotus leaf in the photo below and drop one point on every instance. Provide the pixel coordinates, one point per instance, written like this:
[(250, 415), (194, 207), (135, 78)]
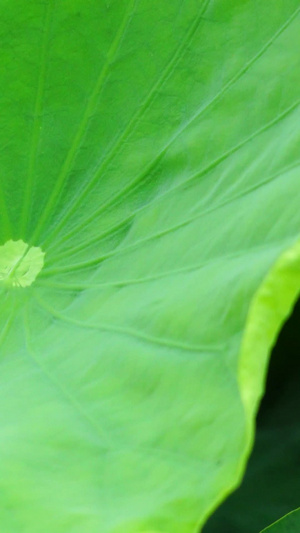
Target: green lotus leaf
[(288, 524), (149, 157)]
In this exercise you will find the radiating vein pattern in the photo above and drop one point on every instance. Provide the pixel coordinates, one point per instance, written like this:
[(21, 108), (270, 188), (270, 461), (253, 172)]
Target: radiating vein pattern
[(150, 153), (154, 91)]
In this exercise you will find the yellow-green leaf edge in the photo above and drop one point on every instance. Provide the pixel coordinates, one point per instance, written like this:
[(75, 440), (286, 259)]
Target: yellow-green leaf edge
[(270, 307)]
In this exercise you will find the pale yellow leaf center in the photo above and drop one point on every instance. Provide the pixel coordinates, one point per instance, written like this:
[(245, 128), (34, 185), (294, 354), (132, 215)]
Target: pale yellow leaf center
[(19, 263)]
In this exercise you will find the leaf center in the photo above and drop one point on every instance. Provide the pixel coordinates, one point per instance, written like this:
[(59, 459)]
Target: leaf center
[(20, 263)]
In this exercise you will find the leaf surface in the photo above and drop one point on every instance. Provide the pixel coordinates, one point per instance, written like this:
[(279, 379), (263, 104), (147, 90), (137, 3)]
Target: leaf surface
[(150, 149)]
